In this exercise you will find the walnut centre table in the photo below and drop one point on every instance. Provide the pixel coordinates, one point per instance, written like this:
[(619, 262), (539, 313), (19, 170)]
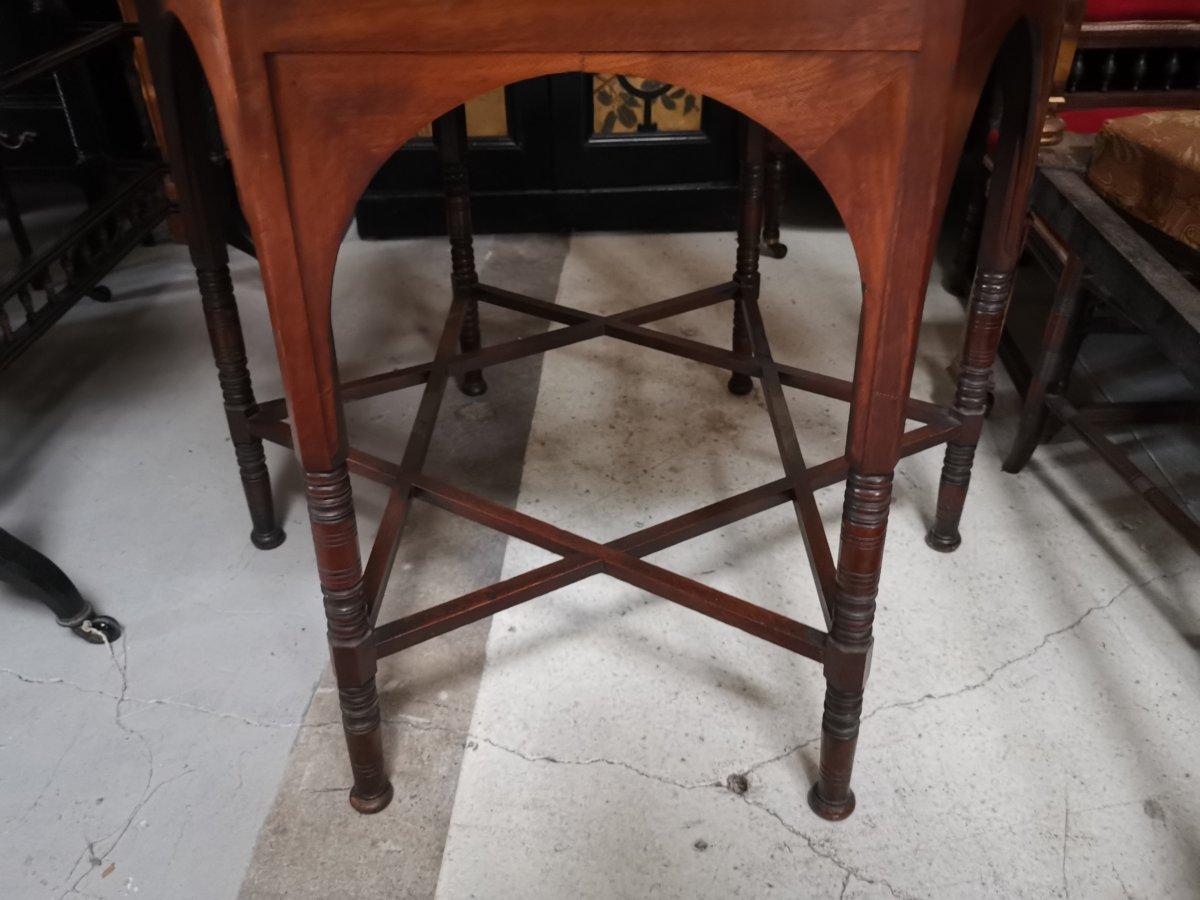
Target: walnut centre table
[(876, 96)]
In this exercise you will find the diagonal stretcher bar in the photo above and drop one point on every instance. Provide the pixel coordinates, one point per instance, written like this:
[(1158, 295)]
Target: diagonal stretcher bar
[(580, 557)]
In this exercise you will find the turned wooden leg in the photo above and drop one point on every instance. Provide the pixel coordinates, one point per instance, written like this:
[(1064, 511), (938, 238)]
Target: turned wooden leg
[(985, 322), (204, 198), (303, 327), (776, 194), (848, 660), (450, 132), (351, 638), (975, 177), (999, 251), (749, 228), (958, 281), (883, 370), (229, 352), (1048, 372)]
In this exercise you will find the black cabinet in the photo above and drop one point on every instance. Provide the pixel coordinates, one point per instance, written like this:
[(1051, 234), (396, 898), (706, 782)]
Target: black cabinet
[(573, 151), (78, 118)]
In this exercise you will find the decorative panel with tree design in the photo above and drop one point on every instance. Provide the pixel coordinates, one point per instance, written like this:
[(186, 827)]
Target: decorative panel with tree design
[(625, 103)]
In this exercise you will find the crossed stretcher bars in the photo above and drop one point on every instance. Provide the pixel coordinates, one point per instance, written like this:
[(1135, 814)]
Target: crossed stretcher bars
[(580, 557)]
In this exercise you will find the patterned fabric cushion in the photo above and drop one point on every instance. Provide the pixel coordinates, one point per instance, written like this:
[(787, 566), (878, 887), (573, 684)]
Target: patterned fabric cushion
[(1124, 10), (1149, 165)]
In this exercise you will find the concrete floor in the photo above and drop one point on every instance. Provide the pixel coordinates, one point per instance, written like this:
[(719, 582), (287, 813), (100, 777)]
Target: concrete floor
[(1030, 724)]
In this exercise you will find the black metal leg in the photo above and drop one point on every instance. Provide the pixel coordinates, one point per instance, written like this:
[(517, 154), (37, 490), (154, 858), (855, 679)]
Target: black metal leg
[(21, 563)]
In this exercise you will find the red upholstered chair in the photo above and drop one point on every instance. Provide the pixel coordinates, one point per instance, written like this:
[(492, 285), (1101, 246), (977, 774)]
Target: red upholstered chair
[(1116, 58), (1123, 57), (1139, 10), (1113, 221)]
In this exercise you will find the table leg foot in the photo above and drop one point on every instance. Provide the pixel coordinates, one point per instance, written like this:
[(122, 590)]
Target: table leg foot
[(943, 543), (370, 805), (268, 540), (740, 384), (832, 812)]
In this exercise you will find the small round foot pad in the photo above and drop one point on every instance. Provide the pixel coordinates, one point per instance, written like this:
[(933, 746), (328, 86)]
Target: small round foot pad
[(473, 385), (774, 249), (833, 812), (269, 540), (740, 385), (98, 629), (943, 543), (371, 805)]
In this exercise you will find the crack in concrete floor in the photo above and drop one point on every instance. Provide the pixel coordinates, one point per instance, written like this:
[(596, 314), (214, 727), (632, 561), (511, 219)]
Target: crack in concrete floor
[(816, 847), (98, 850), (93, 857), (122, 698), (987, 679)]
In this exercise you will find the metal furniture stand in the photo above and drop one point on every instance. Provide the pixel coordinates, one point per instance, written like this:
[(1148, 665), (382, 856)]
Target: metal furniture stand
[(50, 279), (875, 96), (22, 564)]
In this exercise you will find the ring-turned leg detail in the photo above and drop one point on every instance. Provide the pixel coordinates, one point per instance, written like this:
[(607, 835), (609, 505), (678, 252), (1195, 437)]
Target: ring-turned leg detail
[(351, 638), (1014, 161), (749, 228), (848, 651), (229, 352), (205, 196), (985, 324), (952, 495), (450, 132), (776, 193), (372, 791)]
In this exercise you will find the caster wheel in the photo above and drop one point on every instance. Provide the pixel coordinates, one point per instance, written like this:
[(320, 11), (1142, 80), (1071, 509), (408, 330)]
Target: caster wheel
[(100, 294), (99, 630)]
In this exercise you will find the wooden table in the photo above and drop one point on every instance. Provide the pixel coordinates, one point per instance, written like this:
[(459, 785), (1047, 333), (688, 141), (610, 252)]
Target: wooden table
[(876, 97)]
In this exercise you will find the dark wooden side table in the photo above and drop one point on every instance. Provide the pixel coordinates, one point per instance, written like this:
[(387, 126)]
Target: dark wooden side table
[(1093, 251), (875, 96)]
